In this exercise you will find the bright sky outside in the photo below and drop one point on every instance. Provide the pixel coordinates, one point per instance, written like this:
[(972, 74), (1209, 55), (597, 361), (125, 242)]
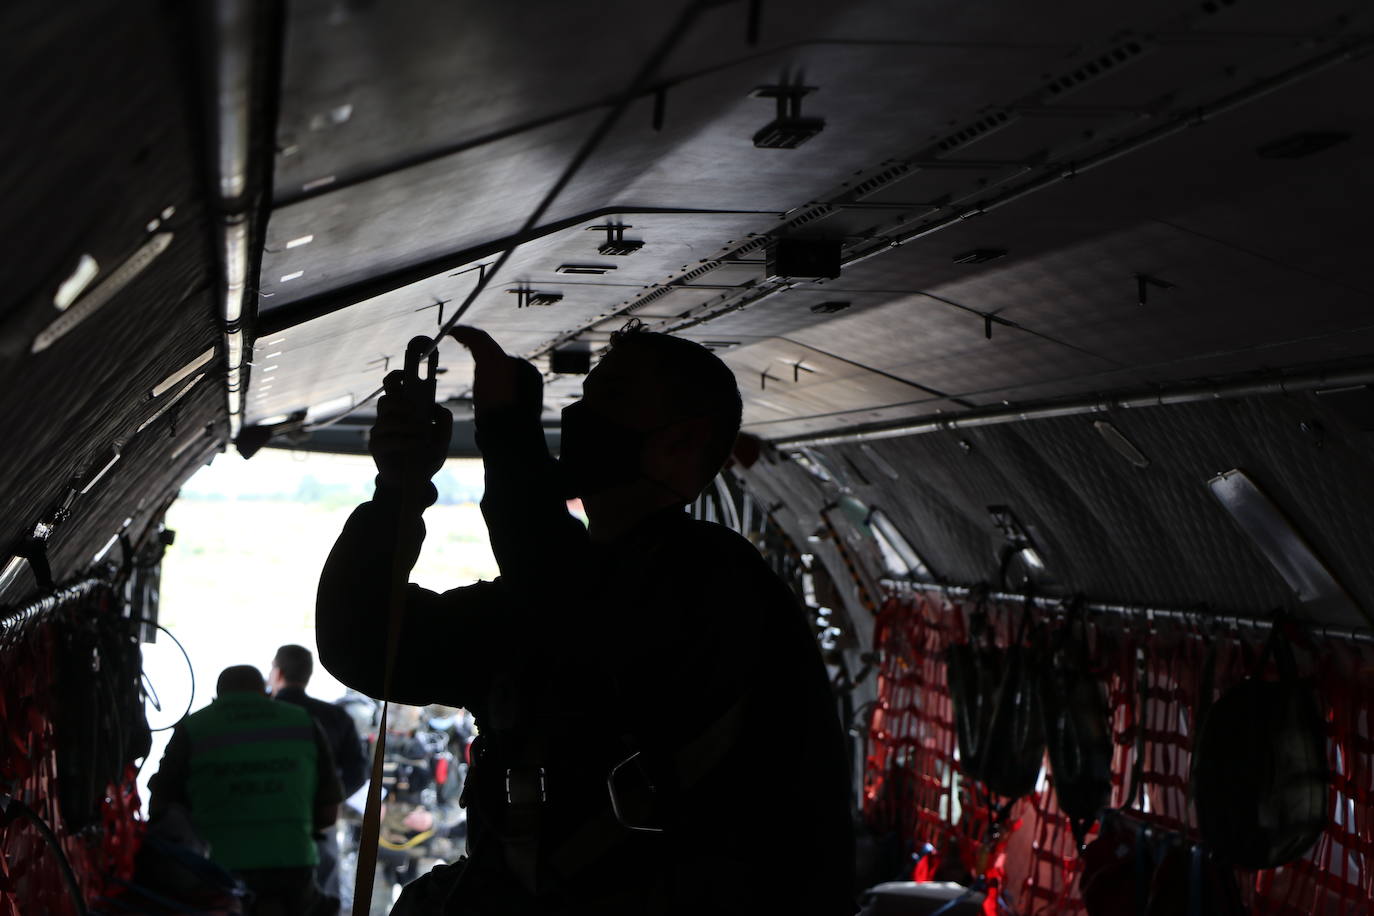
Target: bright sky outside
[(251, 537)]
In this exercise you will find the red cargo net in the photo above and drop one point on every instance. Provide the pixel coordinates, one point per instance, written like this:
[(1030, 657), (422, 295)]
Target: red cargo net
[(30, 878), (1152, 671)]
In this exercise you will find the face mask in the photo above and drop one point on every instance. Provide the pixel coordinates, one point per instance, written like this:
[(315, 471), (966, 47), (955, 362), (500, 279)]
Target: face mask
[(596, 453)]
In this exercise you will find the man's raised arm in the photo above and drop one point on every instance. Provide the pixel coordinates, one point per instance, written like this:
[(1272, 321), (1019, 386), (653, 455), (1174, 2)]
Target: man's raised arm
[(444, 639), (537, 542)]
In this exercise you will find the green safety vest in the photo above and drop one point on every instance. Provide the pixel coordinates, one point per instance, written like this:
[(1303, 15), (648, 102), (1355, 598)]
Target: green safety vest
[(252, 783)]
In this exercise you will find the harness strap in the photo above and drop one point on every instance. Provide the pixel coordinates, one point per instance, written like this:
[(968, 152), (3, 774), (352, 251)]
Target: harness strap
[(372, 815), (419, 392), (698, 757), (691, 764)]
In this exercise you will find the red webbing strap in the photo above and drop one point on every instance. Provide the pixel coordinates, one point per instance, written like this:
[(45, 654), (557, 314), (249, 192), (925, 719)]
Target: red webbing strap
[(1057, 849), (122, 831)]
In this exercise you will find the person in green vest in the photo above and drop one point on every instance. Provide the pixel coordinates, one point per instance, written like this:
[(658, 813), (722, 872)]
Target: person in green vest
[(257, 780)]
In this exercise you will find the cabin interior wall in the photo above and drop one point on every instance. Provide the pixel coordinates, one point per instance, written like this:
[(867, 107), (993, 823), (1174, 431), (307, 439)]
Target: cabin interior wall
[(107, 96), (1106, 528)]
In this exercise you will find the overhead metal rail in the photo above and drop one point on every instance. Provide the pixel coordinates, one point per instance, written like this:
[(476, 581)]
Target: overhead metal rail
[(240, 34), (1142, 612), (1094, 404), (17, 616)]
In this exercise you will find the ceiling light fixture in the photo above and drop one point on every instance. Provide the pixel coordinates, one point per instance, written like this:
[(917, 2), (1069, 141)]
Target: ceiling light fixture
[(72, 287), (169, 403), (1273, 534), (1123, 446), (99, 468), (175, 378)]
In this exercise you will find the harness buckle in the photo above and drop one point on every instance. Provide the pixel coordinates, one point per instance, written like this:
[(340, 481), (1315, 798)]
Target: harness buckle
[(634, 811), (525, 786)]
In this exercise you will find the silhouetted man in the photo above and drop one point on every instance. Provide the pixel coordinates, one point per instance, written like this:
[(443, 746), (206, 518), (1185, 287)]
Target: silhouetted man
[(287, 679), (258, 780), (657, 733)]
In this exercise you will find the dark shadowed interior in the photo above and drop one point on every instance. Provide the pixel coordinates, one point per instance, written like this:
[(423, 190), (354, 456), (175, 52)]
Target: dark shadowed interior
[(1053, 326)]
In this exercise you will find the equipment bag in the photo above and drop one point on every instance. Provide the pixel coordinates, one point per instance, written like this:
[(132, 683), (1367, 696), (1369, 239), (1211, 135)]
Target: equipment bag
[(1260, 778), (1077, 728), (997, 711), (972, 672), (1015, 747)]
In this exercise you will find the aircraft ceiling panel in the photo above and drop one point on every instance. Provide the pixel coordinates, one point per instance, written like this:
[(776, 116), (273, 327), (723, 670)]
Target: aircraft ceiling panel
[(1282, 16), (1343, 349), (1200, 297), (704, 158), (1075, 253), (1063, 301), (341, 353), (1170, 69), (877, 101), (329, 364), (371, 86), (789, 388), (946, 350), (703, 155), (780, 376), (461, 202), (367, 85), (671, 242), (1074, 311), (1311, 222)]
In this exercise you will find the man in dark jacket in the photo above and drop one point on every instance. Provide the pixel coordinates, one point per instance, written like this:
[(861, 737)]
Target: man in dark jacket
[(287, 679), (657, 733)]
